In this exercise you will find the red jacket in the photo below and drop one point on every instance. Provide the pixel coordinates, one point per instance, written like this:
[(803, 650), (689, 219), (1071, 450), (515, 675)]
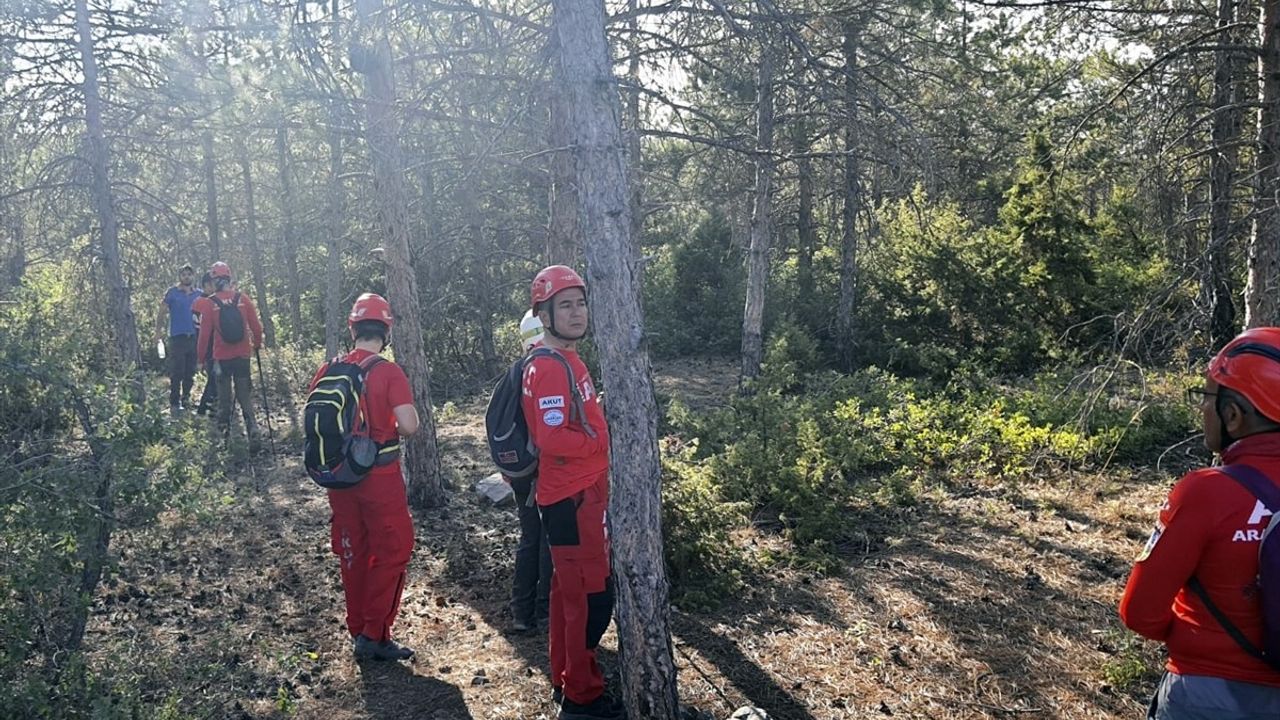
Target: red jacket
[(570, 460), (210, 328), (1209, 527)]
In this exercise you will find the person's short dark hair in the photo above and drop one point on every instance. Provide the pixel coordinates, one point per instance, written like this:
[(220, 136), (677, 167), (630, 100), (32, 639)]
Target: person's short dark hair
[(371, 330), (206, 279), (186, 268)]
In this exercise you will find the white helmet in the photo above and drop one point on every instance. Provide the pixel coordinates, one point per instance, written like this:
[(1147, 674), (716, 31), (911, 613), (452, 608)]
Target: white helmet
[(530, 330)]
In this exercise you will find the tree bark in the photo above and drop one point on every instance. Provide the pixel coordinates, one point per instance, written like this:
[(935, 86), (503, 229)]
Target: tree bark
[(1215, 287), (1262, 290), (211, 197), (806, 228), (333, 315), (255, 247), (761, 225), (371, 57), (635, 512), (13, 258), (127, 348), (845, 318), (288, 231), (564, 236), (481, 280)]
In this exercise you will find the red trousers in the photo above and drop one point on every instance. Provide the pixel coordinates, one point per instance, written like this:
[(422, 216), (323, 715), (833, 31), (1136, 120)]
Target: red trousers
[(581, 589), (372, 535)]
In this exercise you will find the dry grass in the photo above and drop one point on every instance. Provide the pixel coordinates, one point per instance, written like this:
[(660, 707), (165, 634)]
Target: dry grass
[(976, 602)]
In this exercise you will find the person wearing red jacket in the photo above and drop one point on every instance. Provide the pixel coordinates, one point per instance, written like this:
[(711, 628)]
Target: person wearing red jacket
[(567, 426), (230, 360), (372, 532), (1205, 545)]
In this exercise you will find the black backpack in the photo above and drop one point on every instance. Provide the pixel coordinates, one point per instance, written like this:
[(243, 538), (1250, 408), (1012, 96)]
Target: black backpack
[(230, 319), (505, 426), (337, 450)]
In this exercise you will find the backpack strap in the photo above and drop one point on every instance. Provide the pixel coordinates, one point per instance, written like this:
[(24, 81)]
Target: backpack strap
[(1261, 487), (576, 406)]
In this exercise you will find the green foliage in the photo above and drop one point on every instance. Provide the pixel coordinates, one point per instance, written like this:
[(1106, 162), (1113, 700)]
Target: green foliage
[(694, 290), (69, 429), (806, 453)]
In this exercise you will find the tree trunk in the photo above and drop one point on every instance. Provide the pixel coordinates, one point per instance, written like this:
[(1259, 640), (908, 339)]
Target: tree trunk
[(1262, 291), (635, 160), (255, 247), (371, 57), (333, 314), (13, 257), (290, 244), (481, 280), (564, 236), (635, 512), (127, 348), (1215, 284), (806, 228), (211, 197), (761, 225), (845, 319)]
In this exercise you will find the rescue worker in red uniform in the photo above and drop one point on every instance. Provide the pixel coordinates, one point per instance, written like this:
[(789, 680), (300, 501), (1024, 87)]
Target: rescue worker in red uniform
[(567, 426), (372, 532), (229, 361), (1206, 542)]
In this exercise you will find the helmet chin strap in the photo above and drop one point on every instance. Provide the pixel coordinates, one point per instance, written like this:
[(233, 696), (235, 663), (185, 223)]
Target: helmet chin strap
[(551, 326)]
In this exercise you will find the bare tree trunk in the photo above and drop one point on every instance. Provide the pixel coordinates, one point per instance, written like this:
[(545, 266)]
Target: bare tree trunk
[(1262, 291), (806, 228), (481, 280), (290, 245), (333, 315), (633, 122), (845, 319), (371, 57), (13, 258), (333, 246), (564, 236), (255, 247), (635, 512), (128, 350), (211, 197), (1215, 275), (761, 225)]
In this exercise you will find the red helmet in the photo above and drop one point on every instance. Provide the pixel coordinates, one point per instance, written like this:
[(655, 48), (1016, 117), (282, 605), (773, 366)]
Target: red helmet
[(370, 306), (552, 280), (1250, 365), (220, 269)]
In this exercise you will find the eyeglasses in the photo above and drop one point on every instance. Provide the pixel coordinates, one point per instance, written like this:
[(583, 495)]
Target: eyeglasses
[(1197, 397)]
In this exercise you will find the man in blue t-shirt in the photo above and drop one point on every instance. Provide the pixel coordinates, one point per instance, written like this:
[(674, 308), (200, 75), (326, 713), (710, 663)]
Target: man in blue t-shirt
[(175, 313)]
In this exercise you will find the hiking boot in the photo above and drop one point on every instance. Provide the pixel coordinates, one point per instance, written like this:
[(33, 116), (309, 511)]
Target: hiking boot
[(366, 649), (602, 708), (521, 625)]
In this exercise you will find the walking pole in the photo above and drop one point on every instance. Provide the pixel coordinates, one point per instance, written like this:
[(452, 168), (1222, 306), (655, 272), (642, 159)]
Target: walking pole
[(266, 409)]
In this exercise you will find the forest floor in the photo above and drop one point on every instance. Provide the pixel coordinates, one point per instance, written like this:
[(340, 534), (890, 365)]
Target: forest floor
[(973, 602)]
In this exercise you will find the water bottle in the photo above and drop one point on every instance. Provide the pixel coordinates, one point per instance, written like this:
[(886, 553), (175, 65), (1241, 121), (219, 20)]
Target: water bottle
[(160, 348)]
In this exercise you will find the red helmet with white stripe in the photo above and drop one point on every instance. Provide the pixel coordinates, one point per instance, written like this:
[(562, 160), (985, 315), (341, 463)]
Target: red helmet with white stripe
[(370, 306)]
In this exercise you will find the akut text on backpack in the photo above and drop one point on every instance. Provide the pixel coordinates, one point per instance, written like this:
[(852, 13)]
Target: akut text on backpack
[(337, 450), (507, 432), (1268, 570)]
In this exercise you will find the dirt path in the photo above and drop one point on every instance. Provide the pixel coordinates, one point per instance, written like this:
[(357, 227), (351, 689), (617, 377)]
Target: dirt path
[(972, 603)]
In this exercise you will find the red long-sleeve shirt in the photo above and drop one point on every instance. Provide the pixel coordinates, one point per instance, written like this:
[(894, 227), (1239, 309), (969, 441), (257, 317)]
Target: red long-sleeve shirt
[(570, 460), (211, 328), (1209, 527)]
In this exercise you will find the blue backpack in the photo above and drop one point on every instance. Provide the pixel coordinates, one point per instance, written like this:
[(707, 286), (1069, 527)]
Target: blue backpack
[(1268, 570)]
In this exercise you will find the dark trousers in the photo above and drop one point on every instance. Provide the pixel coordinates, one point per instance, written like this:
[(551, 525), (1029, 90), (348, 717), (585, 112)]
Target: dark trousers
[(531, 584), (209, 396), (182, 368), (235, 371)]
